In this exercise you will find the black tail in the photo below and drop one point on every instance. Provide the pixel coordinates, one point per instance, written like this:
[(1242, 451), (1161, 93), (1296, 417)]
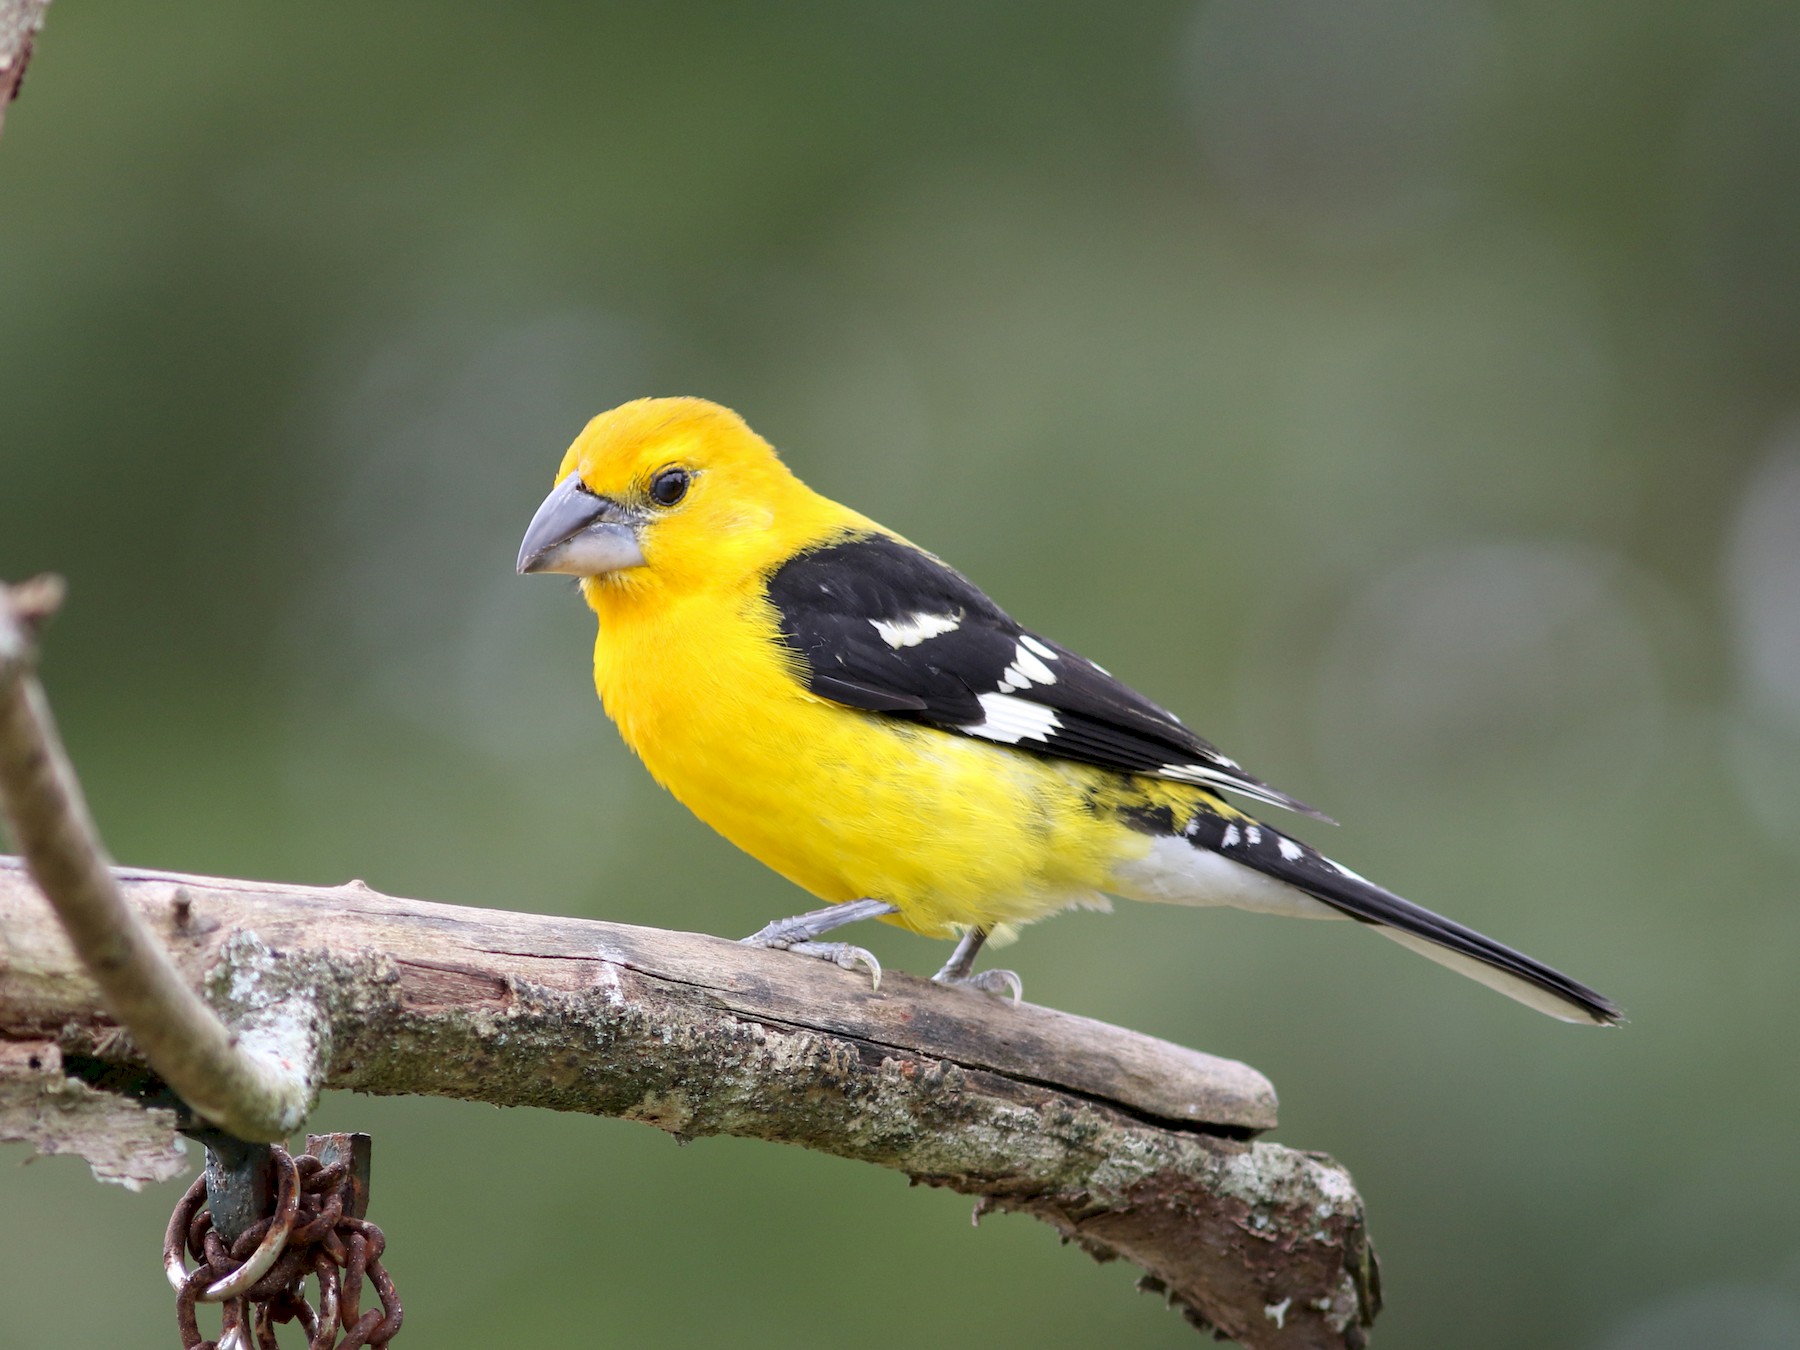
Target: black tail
[(1445, 941)]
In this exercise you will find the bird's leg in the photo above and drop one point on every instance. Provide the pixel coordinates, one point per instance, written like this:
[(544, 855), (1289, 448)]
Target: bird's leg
[(798, 933), (959, 970)]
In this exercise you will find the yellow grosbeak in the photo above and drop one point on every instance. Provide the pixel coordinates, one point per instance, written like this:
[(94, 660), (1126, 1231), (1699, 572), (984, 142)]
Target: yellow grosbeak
[(845, 707)]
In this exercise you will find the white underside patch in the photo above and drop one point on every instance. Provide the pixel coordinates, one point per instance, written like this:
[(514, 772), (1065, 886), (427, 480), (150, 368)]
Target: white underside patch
[(1174, 872)]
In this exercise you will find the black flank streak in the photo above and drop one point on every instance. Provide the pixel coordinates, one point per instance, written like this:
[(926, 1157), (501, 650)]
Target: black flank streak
[(1151, 820)]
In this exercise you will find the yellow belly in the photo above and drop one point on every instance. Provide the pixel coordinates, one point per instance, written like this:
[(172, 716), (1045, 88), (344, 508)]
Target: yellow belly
[(955, 831)]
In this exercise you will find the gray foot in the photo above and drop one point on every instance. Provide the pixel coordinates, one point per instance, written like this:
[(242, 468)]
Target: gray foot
[(1005, 982), (798, 935), (959, 970)]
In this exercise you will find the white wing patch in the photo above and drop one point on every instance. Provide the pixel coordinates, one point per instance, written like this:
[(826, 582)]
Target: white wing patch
[(1206, 775), (1026, 670), (913, 629), (1011, 720), (1031, 644)]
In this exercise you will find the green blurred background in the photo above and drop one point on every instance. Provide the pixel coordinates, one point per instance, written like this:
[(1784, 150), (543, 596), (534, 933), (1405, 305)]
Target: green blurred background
[(1405, 391)]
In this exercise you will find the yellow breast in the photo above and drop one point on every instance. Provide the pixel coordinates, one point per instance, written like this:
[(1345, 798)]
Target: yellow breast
[(955, 831)]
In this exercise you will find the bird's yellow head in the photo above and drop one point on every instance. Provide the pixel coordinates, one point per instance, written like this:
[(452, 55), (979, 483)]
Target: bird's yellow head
[(667, 494)]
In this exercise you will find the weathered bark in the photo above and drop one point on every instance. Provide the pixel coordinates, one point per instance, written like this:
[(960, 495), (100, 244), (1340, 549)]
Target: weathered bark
[(1131, 1146)]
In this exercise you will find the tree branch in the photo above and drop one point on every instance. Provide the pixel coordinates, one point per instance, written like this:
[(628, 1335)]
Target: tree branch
[(19, 24), (258, 1083), (1129, 1145)]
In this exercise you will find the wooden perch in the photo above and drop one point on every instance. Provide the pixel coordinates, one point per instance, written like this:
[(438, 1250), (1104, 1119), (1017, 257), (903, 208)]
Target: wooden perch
[(1131, 1146)]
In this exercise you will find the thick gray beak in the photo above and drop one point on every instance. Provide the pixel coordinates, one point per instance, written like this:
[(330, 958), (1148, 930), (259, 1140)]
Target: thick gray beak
[(581, 534)]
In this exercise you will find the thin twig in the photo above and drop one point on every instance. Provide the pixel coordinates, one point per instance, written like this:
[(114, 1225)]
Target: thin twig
[(257, 1096), (19, 24)]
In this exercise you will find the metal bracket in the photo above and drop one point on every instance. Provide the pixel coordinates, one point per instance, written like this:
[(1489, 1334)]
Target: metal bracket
[(355, 1149)]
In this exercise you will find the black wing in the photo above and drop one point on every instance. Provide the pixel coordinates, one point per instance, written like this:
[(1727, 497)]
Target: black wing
[(879, 625)]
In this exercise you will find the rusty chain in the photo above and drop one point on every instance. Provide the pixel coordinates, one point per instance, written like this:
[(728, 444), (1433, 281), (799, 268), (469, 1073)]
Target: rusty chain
[(316, 1230)]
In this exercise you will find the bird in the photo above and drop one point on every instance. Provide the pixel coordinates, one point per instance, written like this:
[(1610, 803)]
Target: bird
[(859, 716)]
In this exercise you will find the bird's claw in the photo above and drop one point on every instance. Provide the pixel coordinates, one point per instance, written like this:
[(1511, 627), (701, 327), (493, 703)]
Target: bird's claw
[(843, 954), (1005, 982), (799, 934)]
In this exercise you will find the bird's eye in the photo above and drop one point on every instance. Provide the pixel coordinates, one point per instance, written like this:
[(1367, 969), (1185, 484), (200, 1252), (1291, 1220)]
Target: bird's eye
[(669, 486)]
